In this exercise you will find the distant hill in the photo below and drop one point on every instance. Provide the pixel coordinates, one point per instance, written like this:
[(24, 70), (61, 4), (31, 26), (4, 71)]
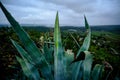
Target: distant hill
[(109, 28)]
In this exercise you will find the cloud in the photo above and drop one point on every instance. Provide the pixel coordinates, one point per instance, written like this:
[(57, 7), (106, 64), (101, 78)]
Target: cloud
[(98, 12)]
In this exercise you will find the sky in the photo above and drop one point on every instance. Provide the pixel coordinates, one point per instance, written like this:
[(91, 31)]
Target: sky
[(71, 12)]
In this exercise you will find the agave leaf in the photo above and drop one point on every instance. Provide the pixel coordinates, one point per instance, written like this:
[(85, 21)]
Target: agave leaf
[(58, 53), (48, 48), (97, 71), (84, 47), (29, 70), (29, 45), (48, 52), (24, 37), (86, 42), (77, 70), (27, 58), (87, 65), (86, 23), (22, 52)]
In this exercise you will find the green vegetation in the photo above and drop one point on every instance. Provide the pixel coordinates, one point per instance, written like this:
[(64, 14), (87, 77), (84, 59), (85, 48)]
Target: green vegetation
[(50, 60)]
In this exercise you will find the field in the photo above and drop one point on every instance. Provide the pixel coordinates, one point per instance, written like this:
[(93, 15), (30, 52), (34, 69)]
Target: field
[(105, 45)]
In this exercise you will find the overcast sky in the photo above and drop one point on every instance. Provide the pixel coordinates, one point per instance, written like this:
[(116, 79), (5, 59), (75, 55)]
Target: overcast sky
[(71, 12)]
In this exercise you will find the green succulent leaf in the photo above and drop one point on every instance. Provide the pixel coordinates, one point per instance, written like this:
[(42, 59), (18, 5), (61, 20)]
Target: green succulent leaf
[(22, 52), (85, 46), (86, 43), (29, 45), (77, 70), (48, 52), (58, 53), (29, 70), (97, 71), (86, 23), (24, 37), (87, 65)]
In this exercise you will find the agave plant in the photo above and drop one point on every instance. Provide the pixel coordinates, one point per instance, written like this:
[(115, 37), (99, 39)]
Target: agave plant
[(52, 63)]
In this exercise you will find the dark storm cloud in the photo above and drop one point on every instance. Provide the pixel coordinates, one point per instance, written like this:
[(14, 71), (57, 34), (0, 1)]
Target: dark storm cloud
[(98, 12)]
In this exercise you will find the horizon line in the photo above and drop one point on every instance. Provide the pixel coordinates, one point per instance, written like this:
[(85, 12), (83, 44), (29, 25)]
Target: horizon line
[(52, 25)]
